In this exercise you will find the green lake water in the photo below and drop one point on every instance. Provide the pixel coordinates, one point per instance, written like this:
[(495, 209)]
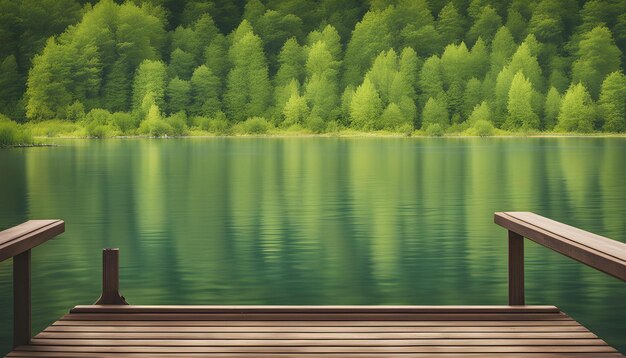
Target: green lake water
[(314, 221)]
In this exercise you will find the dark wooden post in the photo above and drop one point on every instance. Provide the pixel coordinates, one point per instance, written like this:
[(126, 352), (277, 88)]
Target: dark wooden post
[(516, 269), (111, 279), (21, 299)]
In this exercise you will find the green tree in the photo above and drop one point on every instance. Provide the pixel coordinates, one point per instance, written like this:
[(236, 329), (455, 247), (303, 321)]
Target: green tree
[(612, 103), (178, 94), (248, 88), (480, 112), (204, 92), (181, 64), (472, 95), (430, 79), (393, 118), (520, 112), (551, 108), (577, 112), (295, 111), (330, 37), (435, 112), (117, 88), (597, 57), (291, 63), (275, 28), (10, 85), (149, 79), (485, 26), (366, 106), (370, 36), (502, 49), (524, 61), (450, 24), (321, 89)]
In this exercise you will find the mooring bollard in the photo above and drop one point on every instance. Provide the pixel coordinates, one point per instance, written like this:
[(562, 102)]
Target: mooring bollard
[(111, 279)]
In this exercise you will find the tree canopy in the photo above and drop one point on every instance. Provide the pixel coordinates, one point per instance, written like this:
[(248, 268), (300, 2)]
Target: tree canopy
[(376, 65)]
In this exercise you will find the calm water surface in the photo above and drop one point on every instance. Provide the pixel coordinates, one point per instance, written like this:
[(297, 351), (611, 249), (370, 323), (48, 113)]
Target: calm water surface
[(314, 221)]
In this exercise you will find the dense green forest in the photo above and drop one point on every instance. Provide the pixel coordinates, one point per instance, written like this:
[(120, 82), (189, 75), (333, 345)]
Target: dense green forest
[(172, 67)]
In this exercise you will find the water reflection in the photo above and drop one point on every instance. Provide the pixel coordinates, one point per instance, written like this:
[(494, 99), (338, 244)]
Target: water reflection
[(313, 221)]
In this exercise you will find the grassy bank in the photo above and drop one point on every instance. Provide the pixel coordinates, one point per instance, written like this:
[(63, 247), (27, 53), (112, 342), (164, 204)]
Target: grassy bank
[(14, 134)]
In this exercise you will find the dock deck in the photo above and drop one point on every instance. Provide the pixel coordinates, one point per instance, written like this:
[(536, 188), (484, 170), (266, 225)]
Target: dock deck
[(315, 331), (113, 328)]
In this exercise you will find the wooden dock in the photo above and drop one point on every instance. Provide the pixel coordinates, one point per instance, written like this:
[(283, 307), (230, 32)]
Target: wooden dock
[(112, 328)]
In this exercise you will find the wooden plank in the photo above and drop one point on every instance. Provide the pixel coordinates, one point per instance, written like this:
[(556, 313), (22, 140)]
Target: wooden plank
[(315, 317), (316, 335), (516, 269), (305, 349), (426, 323), (21, 299), (307, 355), (27, 236), (253, 309), (595, 251), (314, 329)]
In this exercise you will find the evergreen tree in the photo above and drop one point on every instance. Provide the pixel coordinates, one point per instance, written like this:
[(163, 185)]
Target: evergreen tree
[(612, 103), (295, 111), (435, 112), (178, 95), (551, 108), (370, 36), (291, 63), (393, 118), (577, 112), (597, 57), (321, 89), (149, 79), (525, 62), (485, 26), (430, 79), (472, 95), (116, 91), (10, 85), (204, 92), (365, 107), (450, 24), (480, 112), (502, 49), (520, 112), (181, 64)]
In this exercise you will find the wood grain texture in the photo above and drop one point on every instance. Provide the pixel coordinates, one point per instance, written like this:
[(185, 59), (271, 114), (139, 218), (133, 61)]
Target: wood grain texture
[(601, 253), (310, 331), (28, 235)]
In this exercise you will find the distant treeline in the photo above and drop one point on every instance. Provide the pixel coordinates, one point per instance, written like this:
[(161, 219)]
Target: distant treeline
[(163, 66)]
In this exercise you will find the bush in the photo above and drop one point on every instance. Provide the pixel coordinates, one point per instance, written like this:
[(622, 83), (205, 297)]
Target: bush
[(406, 129), (75, 112), (12, 133), (155, 128), (332, 127), (434, 130), (483, 128), (53, 128), (178, 122), (124, 121), (316, 124), (254, 125)]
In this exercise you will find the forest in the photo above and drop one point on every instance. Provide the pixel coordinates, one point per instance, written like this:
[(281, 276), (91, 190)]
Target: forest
[(431, 67)]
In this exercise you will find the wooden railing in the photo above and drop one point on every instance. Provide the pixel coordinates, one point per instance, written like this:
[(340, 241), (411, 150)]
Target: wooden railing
[(601, 253), (16, 243)]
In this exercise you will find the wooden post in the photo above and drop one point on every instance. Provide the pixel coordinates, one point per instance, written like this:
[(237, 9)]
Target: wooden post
[(110, 279), (21, 299), (516, 269)]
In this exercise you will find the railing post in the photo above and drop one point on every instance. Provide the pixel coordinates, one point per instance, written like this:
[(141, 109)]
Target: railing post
[(21, 299), (516, 269), (111, 279)]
